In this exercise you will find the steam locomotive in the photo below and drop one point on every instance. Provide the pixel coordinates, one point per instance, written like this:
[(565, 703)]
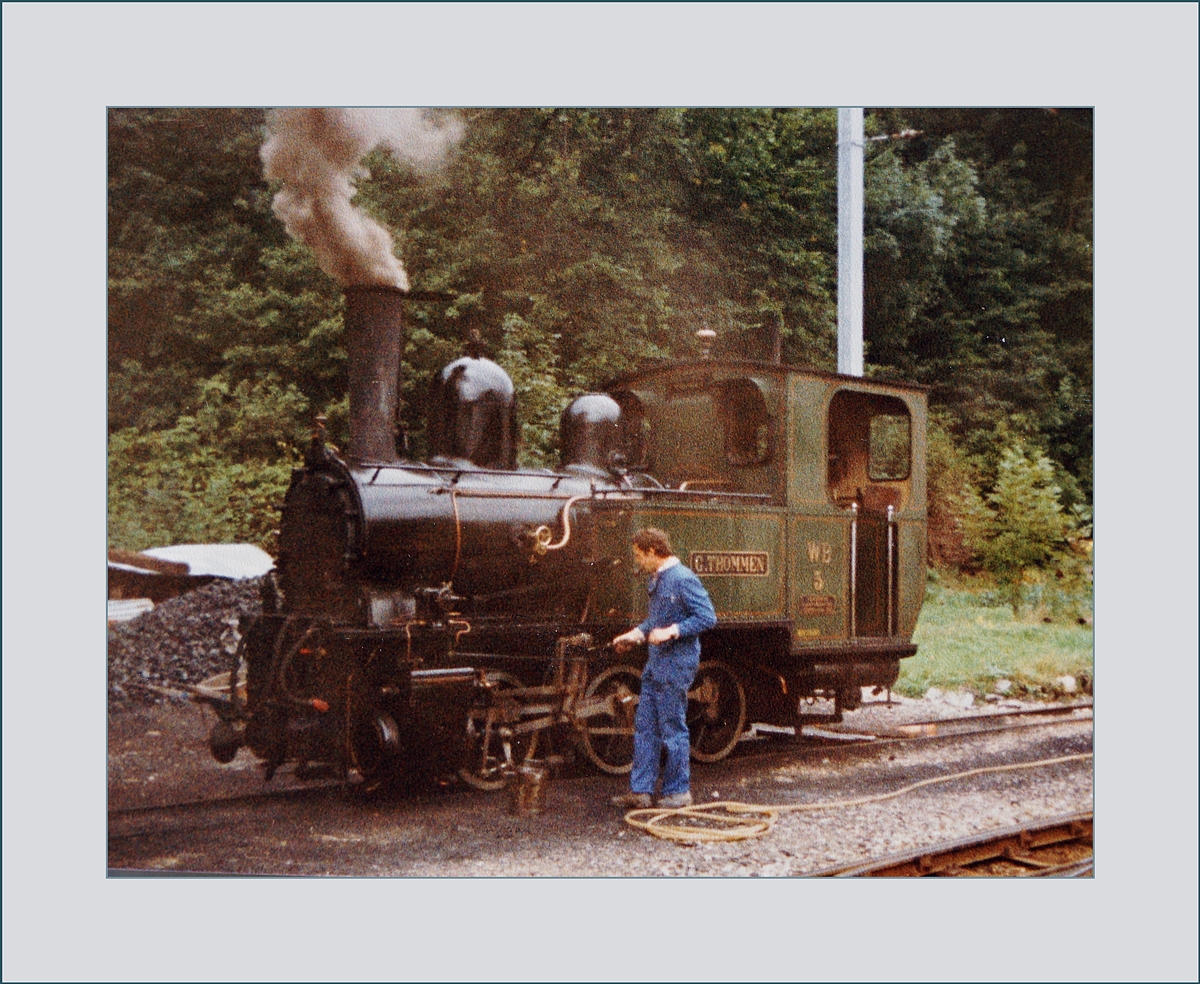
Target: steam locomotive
[(455, 610)]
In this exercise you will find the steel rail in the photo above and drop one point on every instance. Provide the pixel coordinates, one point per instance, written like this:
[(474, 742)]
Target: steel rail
[(311, 789), (1017, 845), (831, 745), (932, 726)]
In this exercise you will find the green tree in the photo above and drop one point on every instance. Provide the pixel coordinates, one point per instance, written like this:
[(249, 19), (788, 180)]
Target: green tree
[(761, 185), (203, 280), (1020, 528), (217, 476), (167, 487), (978, 274)]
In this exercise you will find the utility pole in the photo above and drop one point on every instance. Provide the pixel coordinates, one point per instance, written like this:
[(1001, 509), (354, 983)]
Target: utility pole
[(850, 242)]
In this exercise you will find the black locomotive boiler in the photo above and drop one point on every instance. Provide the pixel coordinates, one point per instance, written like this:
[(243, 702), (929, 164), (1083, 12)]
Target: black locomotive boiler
[(454, 611)]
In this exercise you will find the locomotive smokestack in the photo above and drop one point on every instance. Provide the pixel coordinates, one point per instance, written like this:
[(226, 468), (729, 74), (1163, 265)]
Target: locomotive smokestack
[(373, 337), (315, 154)]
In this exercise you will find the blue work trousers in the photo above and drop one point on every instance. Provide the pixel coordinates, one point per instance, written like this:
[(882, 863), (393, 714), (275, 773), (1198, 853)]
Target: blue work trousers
[(660, 722)]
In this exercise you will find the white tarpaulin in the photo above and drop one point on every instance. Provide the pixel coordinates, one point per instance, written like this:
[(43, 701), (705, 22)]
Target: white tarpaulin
[(124, 609), (229, 560)]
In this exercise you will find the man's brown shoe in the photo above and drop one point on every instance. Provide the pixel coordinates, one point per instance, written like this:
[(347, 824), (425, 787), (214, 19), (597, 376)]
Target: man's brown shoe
[(675, 800), (633, 801)]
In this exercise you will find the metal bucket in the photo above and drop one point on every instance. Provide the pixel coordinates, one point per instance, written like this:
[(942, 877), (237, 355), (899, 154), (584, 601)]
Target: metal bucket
[(525, 790)]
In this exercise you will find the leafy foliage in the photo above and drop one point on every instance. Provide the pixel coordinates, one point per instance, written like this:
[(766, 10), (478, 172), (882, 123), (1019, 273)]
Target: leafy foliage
[(1020, 530), (214, 477), (167, 487), (578, 244), (979, 276), (949, 471)]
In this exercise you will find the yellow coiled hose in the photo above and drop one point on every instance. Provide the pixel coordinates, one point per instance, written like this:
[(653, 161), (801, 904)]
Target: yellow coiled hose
[(732, 821)]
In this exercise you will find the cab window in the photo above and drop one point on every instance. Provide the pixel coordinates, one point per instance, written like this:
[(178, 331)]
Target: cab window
[(746, 423), (870, 449), (889, 443)]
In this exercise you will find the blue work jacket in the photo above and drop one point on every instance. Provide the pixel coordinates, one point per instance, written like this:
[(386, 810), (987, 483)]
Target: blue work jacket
[(677, 597)]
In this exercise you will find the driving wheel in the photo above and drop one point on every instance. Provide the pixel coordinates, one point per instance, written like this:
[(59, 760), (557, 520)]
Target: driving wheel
[(608, 736), (716, 714)]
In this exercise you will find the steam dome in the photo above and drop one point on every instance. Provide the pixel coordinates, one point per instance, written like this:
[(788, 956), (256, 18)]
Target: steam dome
[(472, 415), (589, 431)]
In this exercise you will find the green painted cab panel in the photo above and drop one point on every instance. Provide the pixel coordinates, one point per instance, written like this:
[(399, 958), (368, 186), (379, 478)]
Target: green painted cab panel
[(806, 433), (819, 585), (911, 588), (739, 555)]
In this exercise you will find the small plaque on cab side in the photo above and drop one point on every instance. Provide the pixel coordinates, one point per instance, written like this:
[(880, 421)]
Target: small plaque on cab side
[(817, 604)]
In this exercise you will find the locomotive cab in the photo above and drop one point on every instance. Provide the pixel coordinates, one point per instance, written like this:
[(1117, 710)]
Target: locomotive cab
[(798, 496)]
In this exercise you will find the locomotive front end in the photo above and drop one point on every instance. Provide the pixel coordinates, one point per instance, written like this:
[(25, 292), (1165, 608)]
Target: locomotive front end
[(387, 564)]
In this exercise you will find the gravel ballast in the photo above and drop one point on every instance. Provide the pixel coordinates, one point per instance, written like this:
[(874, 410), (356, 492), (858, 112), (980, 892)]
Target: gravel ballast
[(158, 755)]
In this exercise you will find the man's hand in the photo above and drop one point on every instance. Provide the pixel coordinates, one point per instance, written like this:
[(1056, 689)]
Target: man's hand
[(659, 636), (627, 640)]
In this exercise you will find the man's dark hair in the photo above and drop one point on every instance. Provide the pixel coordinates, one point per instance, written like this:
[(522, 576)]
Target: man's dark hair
[(653, 541)]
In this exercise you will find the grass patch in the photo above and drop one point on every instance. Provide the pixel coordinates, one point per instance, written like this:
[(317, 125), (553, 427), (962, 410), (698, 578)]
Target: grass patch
[(968, 639)]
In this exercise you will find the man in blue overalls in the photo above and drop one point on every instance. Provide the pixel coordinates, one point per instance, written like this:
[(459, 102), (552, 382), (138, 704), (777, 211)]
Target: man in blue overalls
[(680, 610)]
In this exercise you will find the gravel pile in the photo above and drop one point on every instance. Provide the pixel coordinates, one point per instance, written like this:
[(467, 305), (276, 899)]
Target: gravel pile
[(179, 642)]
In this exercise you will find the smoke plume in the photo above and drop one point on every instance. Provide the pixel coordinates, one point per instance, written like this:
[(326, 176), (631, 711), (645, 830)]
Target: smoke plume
[(316, 154)]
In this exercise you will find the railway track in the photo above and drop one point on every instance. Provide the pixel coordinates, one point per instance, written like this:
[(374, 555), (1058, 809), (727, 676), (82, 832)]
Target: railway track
[(184, 822), (324, 828), (1060, 847), (765, 745), (977, 724), (967, 724), (139, 821), (831, 742)]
